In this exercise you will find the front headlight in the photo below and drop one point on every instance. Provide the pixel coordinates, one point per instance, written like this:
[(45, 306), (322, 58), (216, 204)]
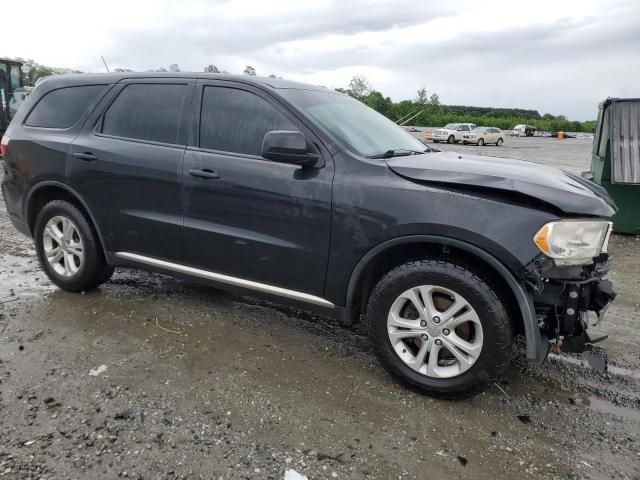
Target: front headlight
[(573, 242)]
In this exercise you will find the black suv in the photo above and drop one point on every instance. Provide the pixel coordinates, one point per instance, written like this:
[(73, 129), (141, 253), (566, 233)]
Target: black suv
[(292, 191)]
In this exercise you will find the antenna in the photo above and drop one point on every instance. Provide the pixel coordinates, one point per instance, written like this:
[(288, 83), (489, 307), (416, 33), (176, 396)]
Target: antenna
[(105, 63)]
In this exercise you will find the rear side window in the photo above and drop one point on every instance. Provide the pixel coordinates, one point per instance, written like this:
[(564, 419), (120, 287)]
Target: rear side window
[(63, 107), (236, 120), (146, 112)]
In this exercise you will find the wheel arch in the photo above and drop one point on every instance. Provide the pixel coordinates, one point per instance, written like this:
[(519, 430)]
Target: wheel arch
[(391, 253), (43, 192)]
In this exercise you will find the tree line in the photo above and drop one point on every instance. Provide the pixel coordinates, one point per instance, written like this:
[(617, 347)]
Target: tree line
[(425, 110)]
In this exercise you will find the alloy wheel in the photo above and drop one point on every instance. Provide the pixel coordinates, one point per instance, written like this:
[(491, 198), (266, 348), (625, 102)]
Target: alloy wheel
[(63, 246), (435, 331)]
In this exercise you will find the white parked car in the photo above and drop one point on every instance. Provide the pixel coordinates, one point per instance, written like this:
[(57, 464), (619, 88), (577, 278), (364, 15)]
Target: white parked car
[(452, 132), (483, 135)]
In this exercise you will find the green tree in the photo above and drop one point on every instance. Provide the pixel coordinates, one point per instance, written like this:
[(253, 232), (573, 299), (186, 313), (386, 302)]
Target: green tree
[(379, 103), (211, 69), (422, 96), (41, 71), (359, 87), (249, 70)]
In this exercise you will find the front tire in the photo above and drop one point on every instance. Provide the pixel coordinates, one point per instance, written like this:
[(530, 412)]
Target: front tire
[(439, 327), (68, 248), (480, 142)]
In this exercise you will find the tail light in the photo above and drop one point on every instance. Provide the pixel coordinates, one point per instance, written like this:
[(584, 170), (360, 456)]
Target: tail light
[(3, 146)]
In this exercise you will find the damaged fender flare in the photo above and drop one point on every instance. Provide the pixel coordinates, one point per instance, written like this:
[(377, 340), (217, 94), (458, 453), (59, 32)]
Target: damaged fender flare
[(537, 348)]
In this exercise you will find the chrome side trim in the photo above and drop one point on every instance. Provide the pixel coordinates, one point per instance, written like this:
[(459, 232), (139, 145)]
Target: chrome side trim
[(218, 277)]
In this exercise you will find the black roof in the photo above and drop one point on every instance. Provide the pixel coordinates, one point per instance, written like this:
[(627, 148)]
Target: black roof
[(82, 78)]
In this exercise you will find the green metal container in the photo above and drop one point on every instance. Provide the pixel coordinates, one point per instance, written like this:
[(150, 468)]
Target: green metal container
[(615, 159)]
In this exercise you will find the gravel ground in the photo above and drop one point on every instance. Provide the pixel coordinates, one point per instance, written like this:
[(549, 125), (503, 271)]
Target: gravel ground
[(203, 384), (573, 154)]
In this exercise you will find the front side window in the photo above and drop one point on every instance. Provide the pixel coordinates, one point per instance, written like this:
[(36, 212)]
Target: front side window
[(236, 121), (147, 112), (63, 107), (356, 126)]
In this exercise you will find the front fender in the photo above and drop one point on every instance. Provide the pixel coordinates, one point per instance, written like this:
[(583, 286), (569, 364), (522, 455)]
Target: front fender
[(536, 346)]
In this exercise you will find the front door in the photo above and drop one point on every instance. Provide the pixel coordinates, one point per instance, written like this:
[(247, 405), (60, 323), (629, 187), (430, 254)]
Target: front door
[(245, 216), (127, 165)]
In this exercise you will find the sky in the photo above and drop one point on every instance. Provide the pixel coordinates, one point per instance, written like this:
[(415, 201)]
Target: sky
[(559, 57)]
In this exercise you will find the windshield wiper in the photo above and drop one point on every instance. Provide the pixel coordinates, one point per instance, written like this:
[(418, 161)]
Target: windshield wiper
[(402, 152)]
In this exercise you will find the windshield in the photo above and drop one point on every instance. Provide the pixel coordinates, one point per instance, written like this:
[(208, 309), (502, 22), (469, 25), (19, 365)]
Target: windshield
[(479, 130), (356, 126), (451, 126)]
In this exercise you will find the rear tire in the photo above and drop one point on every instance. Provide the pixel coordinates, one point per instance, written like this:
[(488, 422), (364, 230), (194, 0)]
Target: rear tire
[(499, 142), (486, 348), (451, 139), (68, 248)]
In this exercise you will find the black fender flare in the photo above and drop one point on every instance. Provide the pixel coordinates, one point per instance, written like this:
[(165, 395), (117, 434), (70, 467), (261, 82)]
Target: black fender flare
[(52, 183), (537, 349)]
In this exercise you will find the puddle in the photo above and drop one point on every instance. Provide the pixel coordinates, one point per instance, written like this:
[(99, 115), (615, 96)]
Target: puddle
[(605, 406), (21, 277)]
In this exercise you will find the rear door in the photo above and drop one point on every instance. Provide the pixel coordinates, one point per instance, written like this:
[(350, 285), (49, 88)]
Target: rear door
[(246, 216), (127, 165)]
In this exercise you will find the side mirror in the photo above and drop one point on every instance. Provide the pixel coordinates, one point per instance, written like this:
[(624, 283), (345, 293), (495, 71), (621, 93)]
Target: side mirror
[(287, 147)]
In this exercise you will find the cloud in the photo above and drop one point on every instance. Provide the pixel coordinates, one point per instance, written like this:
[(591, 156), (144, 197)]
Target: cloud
[(560, 57)]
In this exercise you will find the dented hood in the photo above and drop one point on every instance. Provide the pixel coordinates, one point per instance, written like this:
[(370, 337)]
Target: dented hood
[(566, 191)]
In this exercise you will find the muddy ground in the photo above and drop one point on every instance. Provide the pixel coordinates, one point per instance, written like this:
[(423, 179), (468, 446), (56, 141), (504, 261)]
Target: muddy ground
[(203, 384)]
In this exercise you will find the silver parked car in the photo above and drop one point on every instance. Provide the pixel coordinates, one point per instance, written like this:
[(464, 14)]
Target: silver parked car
[(483, 135)]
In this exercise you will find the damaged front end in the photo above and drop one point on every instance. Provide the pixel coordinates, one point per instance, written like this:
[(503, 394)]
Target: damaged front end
[(563, 296)]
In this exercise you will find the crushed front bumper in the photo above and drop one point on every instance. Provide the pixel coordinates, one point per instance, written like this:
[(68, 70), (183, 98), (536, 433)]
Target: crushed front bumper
[(563, 298)]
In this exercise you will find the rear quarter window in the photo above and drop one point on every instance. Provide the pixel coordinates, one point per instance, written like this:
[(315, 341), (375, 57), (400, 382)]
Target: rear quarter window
[(63, 107)]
